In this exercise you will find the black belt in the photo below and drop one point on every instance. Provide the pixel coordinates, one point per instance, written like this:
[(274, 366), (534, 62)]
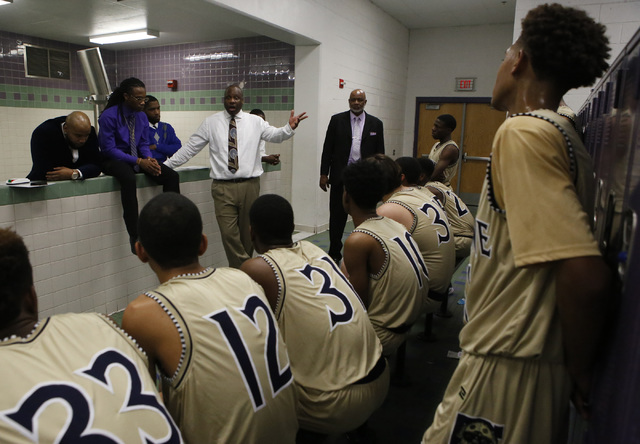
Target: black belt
[(439, 297), (375, 372), (400, 330), (239, 180)]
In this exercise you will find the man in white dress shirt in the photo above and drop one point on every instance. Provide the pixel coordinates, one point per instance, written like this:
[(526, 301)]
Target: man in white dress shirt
[(234, 139)]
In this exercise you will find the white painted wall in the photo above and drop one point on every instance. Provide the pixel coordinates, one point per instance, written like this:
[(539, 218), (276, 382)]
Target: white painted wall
[(357, 42), (622, 19), (438, 55)]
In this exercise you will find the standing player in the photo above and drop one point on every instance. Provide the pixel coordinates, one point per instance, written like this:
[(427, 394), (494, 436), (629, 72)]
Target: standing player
[(537, 285), (72, 377), (211, 333), (445, 152), (336, 358), (381, 259)]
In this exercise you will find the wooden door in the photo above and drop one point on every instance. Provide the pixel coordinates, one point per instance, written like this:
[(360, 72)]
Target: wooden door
[(480, 126), (477, 124)]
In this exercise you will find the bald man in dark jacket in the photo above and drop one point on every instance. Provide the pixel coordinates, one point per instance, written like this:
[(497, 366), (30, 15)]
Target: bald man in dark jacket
[(346, 141), (64, 148)]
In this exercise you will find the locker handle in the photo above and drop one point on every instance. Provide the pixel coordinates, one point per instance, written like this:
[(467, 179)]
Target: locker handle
[(629, 227), (466, 158)]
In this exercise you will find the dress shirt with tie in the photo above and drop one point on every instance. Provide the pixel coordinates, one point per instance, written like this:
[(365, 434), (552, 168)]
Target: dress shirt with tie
[(114, 135), (357, 123), (214, 131)]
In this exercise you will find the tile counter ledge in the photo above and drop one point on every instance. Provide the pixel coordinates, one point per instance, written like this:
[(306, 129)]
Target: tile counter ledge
[(78, 243)]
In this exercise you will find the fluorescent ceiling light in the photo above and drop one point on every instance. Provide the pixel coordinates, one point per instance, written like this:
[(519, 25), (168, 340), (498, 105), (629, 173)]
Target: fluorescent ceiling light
[(127, 36), (5, 2), (211, 57)]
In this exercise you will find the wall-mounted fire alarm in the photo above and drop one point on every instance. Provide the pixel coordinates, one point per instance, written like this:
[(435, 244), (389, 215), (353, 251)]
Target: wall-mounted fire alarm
[(340, 83), (172, 84)]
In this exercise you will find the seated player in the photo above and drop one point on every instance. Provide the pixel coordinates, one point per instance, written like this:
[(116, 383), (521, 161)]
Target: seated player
[(211, 333), (68, 377), (460, 218), (336, 357), (422, 215), (381, 260)]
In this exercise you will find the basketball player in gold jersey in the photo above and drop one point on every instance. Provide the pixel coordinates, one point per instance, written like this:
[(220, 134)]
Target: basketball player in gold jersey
[(537, 285), (211, 333), (421, 214), (381, 259), (445, 152), (460, 218), (336, 358), (72, 377)]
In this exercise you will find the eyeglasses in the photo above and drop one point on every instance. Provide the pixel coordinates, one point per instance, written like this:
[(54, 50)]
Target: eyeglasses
[(140, 99)]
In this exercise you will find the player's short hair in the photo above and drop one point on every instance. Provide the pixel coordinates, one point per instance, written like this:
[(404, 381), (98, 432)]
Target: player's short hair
[(170, 230), (448, 120), (565, 45), (364, 182), (391, 170), (150, 99), (257, 112), (271, 219), (427, 166), (410, 168), (16, 275)]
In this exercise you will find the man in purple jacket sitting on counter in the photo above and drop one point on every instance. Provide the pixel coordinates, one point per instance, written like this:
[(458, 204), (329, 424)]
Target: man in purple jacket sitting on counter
[(124, 143)]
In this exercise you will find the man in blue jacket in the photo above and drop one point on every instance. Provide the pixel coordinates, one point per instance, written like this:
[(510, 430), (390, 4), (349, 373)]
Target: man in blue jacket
[(163, 141)]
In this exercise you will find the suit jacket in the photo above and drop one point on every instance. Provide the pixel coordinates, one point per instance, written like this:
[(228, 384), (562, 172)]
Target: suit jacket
[(337, 143), (49, 149)]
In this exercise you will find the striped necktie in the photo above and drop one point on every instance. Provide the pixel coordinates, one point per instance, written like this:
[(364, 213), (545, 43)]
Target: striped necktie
[(131, 123), (233, 146)]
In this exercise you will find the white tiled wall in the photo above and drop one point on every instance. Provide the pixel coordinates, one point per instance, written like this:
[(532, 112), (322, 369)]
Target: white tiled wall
[(79, 248)]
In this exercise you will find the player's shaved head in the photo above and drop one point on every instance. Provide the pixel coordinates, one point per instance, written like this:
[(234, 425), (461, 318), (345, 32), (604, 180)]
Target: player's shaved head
[(170, 228), (271, 219)]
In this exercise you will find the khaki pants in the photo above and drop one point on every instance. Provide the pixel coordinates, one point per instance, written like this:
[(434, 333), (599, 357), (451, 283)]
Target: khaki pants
[(503, 400), (232, 202)]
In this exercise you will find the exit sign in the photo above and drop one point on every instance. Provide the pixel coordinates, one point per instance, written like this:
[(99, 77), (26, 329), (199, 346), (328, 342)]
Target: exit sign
[(465, 84)]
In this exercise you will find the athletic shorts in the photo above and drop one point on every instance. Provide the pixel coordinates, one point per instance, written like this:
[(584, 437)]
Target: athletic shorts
[(503, 400), (340, 411)]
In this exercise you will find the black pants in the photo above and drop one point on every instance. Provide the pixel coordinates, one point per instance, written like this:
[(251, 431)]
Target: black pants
[(124, 173), (337, 220)]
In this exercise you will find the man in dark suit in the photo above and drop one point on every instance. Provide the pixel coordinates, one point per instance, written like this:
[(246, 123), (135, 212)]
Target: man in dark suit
[(65, 148), (351, 135)]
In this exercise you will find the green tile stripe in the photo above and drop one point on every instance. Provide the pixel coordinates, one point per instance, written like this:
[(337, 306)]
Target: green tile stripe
[(23, 101), (96, 185), (252, 95)]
